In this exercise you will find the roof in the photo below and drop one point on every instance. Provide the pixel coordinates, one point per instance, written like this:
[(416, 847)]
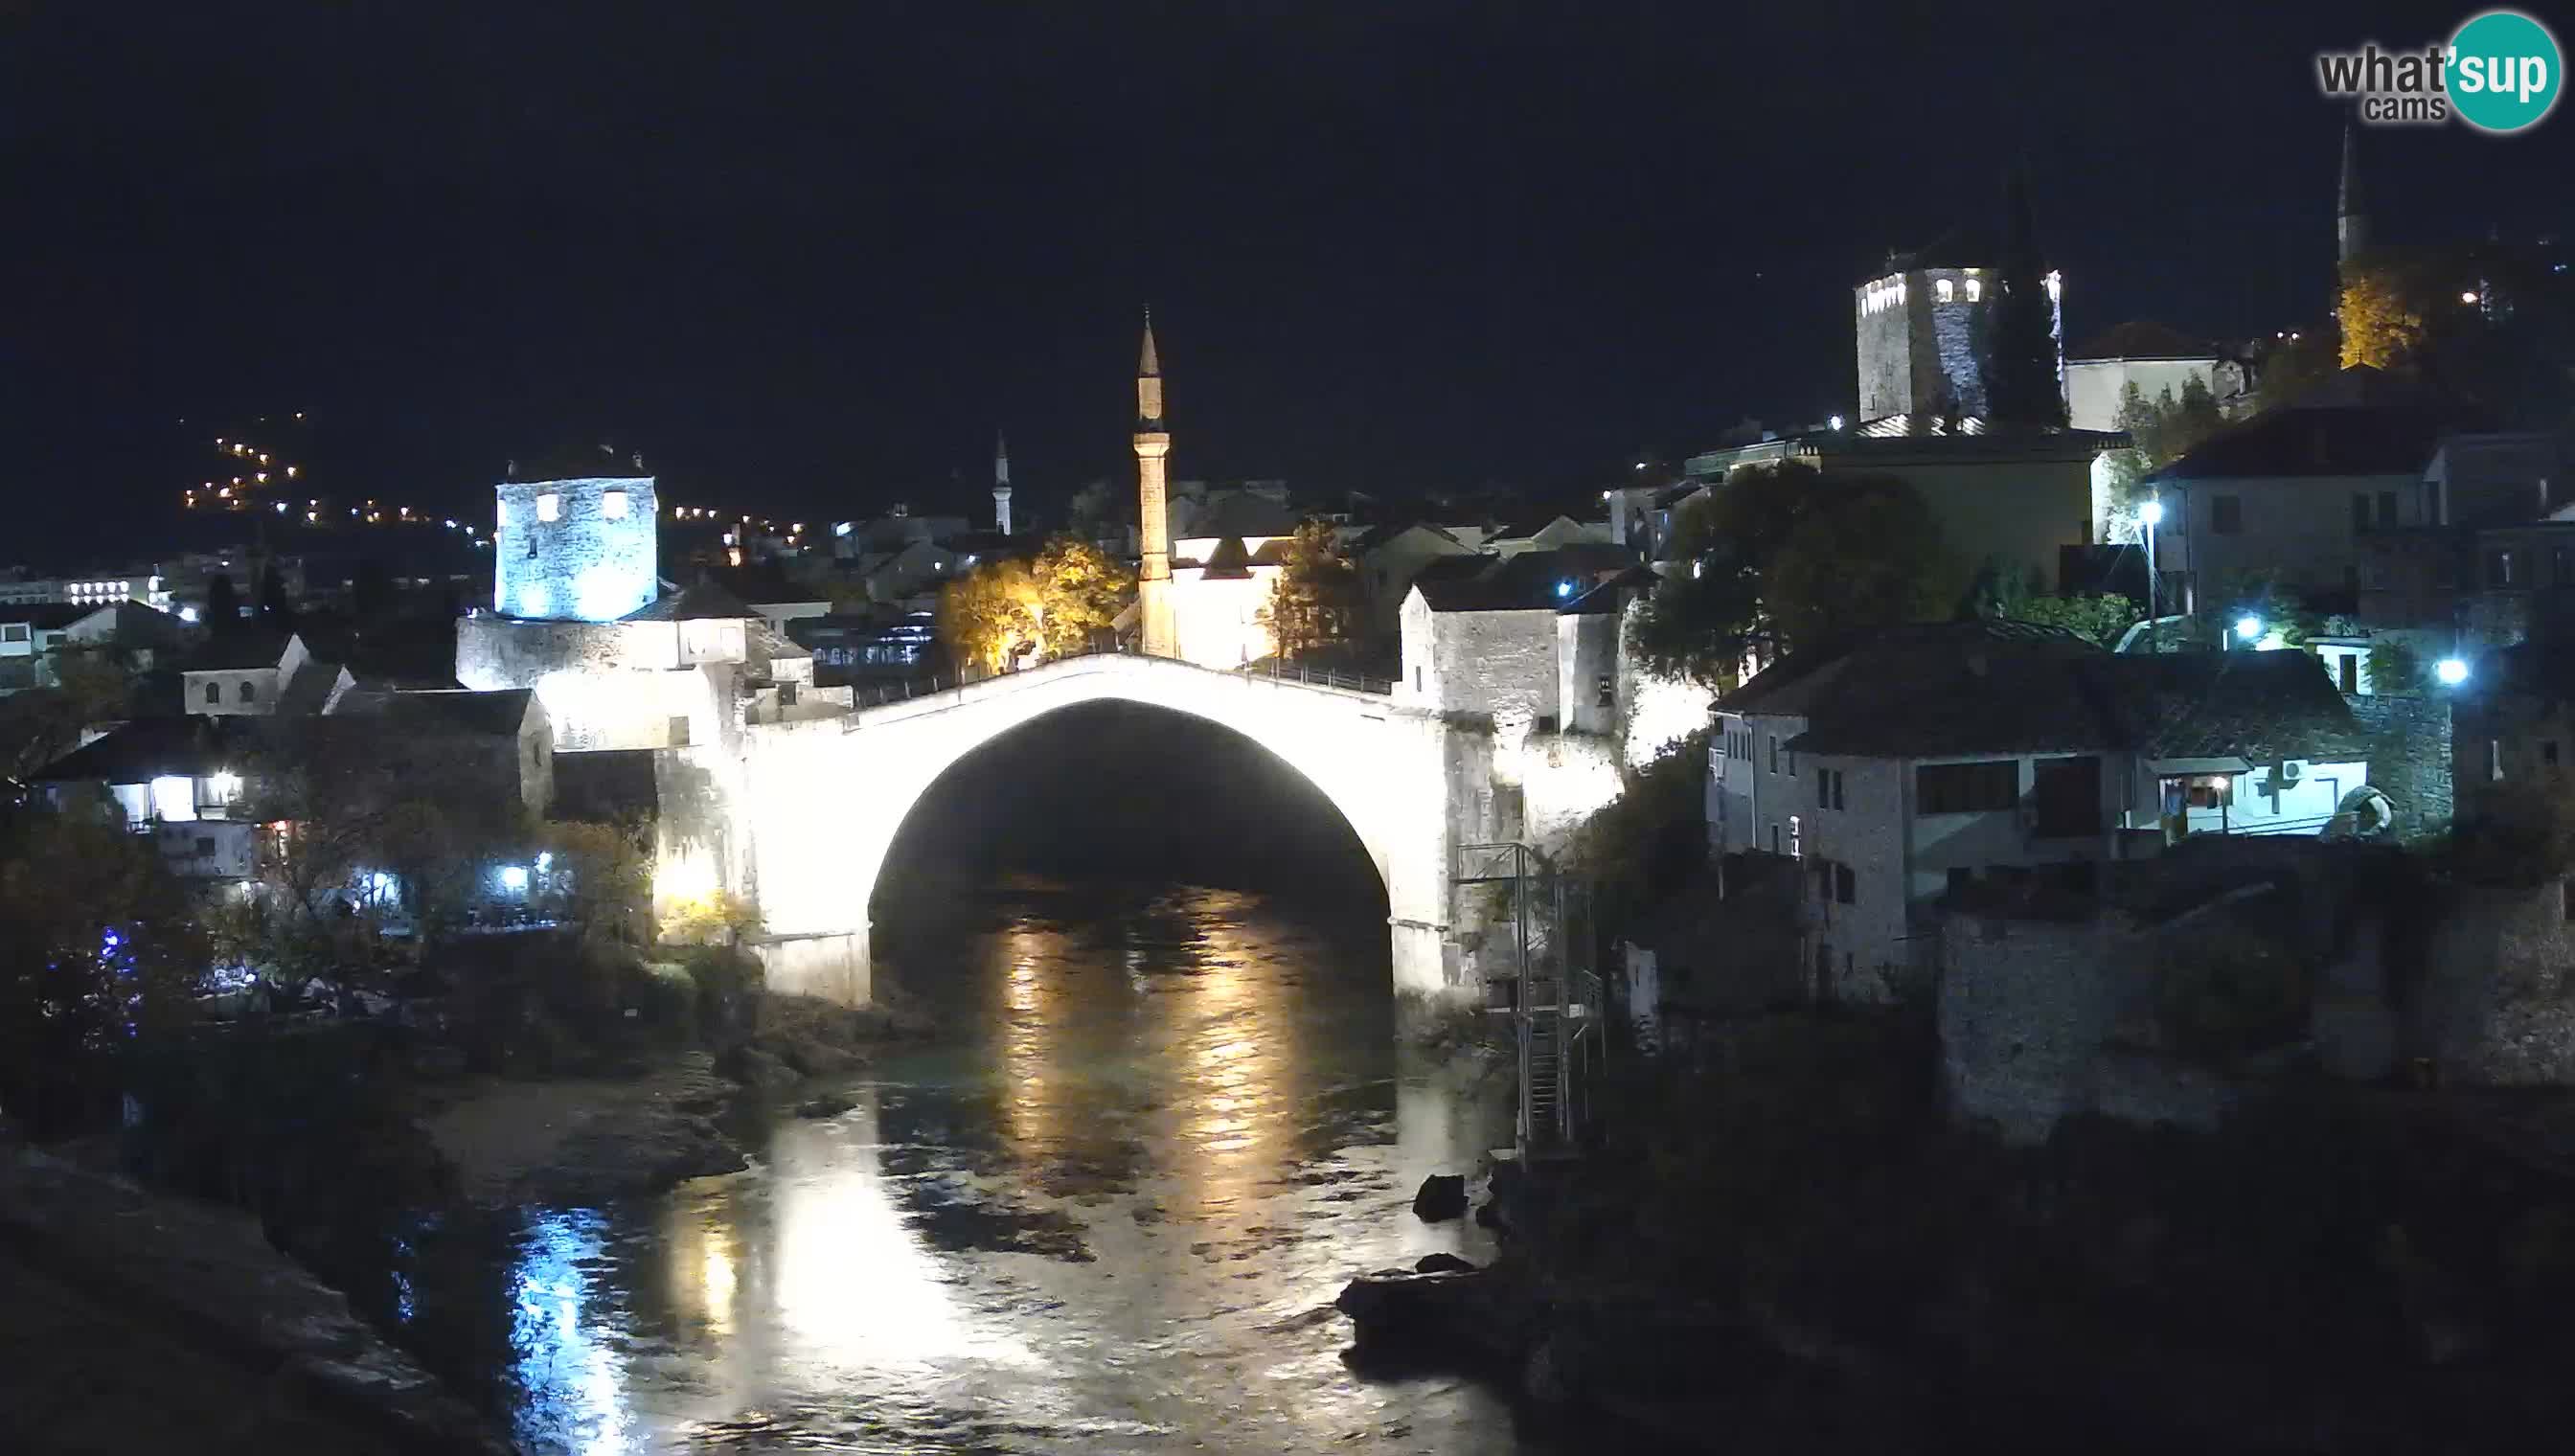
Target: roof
[(238, 649), (1241, 512), (1532, 580), (1996, 687), (703, 602), (148, 748), (497, 713), (1229, 562), (1611, 595), (2142, 339), (1378, 536), (1904, 434), (2320, 440), (308, 691), (760, 582), (46, 616)]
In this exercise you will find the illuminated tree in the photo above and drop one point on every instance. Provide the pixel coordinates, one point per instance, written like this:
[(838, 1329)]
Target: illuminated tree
[(601, 878), (1044, 607), (2381, 322), (1315, 602), (98, 953)]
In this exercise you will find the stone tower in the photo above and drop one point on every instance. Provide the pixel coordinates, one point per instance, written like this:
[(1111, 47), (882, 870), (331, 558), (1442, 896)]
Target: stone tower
[(1153, 446), (1000, 484), (2351, 209), (574, 549)]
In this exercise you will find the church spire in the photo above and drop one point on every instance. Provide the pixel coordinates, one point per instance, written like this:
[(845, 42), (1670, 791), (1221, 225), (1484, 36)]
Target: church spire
[(2351, 207)]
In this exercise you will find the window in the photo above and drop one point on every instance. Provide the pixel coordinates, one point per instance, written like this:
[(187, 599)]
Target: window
[(1775, 839), (2494, 759), (1609, 691), (1774, 753), (1845, 883), (214, 693), (2387, 508), (1956, 789), (13, 632), (1960, 877), (1829, 788), (1946, 290), (2499, 568), (2348, 667), (2561, 567), (249, 693), (2226, 515), (2566, 899), (550, 507), (611, 504), (1975, 289), (1416, 679), (679, 731), (2198, 791), (2359, 511), (205, 845)]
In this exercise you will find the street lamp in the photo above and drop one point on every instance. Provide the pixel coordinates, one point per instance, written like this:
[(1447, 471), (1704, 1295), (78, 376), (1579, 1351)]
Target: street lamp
[(2248, 627), (2152, 512), (2451, 670)]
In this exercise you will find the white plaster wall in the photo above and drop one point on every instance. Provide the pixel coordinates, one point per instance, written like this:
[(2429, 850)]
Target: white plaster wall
[(2093, 386), (1758, 795), (1217, 621), (1872, 956), (1565, 779), (2299, 526), (823, 799), (1586, 651)]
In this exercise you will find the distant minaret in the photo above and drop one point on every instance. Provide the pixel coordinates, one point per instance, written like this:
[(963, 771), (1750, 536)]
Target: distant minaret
[(1000, 484), (2351, 208), (1152, 444)]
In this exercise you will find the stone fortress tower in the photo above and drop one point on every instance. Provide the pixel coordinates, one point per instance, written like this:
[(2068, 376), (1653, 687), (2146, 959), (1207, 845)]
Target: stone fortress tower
[(1000, 484), (1920, 323), (581, 550), (1152, 448)]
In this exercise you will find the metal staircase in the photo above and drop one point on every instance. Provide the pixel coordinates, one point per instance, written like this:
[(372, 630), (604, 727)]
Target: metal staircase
[(1544, 984)]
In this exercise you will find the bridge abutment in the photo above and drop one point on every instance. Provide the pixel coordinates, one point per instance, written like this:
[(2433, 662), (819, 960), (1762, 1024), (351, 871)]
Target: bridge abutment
[(834, 965)]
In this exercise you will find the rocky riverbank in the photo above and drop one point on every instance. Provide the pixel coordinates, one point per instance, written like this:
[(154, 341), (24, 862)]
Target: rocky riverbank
[(135, 1321)]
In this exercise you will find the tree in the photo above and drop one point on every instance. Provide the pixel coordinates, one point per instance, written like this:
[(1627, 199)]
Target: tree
[(2395, 669), (274, 610), (223, 603), (1316, 602), (98, 953), (2020, 358), (2166, 429), (2103, 617), (370, 593), (601, 876), (1778, 557), (2382, 323), (1046, 606), (43, 724)]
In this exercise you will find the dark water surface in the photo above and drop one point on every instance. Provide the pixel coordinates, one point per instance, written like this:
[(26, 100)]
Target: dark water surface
[(1109, 1214)]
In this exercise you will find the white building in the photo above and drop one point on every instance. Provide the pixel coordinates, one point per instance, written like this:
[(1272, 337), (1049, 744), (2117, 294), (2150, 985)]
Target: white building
[(248, 672), (2157, 360), (1957, 760)]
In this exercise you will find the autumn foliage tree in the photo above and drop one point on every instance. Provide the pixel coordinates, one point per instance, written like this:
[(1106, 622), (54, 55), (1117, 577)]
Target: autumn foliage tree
[(1044, 607), (2381, 322), (1316, 602)]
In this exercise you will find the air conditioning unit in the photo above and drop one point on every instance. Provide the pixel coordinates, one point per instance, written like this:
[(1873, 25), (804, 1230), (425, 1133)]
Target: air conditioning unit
[(2286, 773)]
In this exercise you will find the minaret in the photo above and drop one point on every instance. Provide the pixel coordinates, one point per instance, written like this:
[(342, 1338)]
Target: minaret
[(1000, 484), (2351, 208), (1152, 444)]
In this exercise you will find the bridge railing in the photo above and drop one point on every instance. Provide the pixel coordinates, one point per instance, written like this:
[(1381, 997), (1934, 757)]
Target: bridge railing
[(863, 696)]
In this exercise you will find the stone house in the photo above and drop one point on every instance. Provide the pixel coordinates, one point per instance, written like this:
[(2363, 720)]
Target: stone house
[(1923, 763), (2513, 720), (253, 673), (1480, 632), (1389, 557)]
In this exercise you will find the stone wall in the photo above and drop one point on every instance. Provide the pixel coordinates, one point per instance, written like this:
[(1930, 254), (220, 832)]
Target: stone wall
[(1491, 664), (2495, 1005), (2409, 757), (596, 561)]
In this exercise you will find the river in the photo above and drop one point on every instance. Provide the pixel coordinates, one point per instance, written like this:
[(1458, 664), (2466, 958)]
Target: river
[(1108, 1213)]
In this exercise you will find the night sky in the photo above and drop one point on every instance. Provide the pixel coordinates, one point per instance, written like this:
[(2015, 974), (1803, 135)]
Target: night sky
[(809, 257)]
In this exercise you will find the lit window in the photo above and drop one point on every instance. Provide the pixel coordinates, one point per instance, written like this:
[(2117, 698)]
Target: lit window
[(549, 507), (1946, 289), (611, 504), (1975, 290), (174, 798)]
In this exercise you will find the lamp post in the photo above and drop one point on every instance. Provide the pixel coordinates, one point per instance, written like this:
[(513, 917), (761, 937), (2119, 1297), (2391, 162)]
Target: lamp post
[(2152, 512)]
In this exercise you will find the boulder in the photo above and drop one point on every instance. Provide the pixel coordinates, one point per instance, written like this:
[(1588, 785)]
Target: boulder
[(830, 1104), (1443, 1197), (1443, 1318), (815, 1059), (1441, 1263), (757, 1071)]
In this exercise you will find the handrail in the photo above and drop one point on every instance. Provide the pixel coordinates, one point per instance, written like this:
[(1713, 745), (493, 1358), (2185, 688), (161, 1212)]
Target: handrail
[(966, 678)]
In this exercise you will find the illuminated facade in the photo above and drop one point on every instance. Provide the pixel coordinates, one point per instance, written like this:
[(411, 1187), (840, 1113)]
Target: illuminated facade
[(574, 549), (1152, 452)]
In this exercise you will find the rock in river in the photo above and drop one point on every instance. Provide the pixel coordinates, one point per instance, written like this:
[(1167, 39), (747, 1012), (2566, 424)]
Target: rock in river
[(1444, 1317), (1442, 1196), (1441, 1263), (830, 1104)]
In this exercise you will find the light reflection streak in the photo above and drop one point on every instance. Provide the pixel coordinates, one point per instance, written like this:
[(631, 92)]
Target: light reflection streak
[(575, 1390)]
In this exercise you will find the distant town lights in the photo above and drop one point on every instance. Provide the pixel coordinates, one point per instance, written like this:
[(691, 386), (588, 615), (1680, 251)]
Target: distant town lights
[(2451, 670)]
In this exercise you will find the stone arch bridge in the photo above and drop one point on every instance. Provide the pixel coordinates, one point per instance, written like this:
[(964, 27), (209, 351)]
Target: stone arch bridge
[(814, 806)]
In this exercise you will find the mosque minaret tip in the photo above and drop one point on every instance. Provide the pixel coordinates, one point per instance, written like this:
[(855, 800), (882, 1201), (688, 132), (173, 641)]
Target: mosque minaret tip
[(1153, 446)]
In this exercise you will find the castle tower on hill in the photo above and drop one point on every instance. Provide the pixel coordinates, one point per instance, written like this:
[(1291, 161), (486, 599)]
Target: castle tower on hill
[(1000, 485), (582, 549), (1152, 448)]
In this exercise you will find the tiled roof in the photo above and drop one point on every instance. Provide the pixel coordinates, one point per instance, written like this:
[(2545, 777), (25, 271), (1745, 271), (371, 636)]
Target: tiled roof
[(45, 616), (2300, 440), (2142, 339), (1532, 580), (702, 601), (497, 713), (236, 649), (1229, 562), (1999, 688)]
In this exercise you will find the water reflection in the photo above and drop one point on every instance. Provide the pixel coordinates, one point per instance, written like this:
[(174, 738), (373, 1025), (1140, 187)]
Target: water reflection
[(1105, 1219)]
